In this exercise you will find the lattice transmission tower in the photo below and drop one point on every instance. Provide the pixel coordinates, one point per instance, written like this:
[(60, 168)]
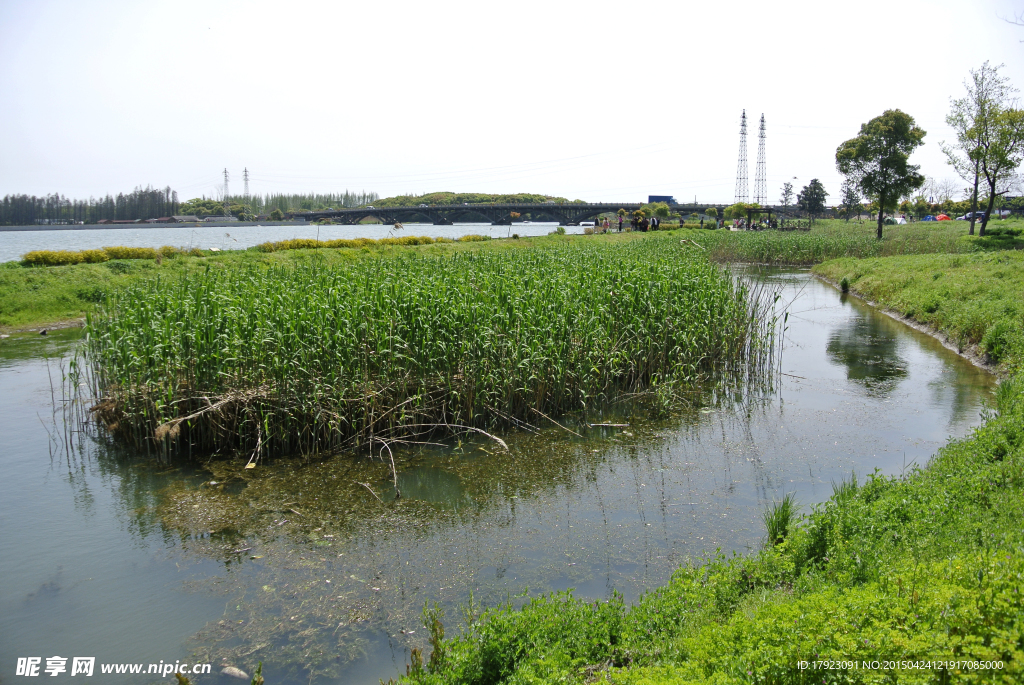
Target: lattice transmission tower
[(245, 177), (227, 206), (760, 179), (741, 166)]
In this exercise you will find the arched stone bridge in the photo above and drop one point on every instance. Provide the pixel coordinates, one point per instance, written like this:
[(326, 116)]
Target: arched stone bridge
[(566, 214)]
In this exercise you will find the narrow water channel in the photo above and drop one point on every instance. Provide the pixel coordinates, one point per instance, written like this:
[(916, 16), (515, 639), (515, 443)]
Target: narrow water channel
[(300, 565)]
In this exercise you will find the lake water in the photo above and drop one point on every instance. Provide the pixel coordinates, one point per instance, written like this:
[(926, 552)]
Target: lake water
[(297, 564), (13, 244)]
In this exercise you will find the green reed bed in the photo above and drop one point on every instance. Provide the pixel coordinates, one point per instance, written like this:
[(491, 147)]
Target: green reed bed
[(304, 358)]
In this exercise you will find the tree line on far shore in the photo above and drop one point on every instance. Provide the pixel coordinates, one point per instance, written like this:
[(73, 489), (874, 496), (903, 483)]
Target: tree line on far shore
[(154, 203), (274, 205), (141, 203)]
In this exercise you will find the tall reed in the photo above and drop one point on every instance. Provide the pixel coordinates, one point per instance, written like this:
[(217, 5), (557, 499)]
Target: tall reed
[(308, 358)]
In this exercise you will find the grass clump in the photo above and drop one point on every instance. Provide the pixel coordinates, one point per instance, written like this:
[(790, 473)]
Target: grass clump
[(306, 358), (779, 519), (922, 567), (977, 300)]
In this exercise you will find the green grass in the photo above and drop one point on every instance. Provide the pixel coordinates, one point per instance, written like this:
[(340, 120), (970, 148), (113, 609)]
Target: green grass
[(927, 567), (831, 239), (309, 357), (975, 299)]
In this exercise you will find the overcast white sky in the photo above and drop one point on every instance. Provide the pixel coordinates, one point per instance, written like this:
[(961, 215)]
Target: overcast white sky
[(599, 100)]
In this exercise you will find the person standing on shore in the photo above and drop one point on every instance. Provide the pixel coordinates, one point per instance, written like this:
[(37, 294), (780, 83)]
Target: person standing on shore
[(620, 224)]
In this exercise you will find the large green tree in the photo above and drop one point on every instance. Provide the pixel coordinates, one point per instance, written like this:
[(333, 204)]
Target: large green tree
[(877, 160), (812, 198), (973, 119)]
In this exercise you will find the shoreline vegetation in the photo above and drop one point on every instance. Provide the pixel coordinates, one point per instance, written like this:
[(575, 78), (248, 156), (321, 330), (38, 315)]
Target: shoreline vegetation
[(307, 359)]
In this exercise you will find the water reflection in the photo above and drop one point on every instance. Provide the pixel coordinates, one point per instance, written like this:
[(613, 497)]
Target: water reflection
[(870, 352)]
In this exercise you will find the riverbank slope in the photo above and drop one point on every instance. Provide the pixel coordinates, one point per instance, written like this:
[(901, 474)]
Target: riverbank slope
[(974, 301)]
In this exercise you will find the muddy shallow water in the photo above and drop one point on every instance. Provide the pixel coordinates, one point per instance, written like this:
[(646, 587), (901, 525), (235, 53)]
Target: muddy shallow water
[(317, 570)]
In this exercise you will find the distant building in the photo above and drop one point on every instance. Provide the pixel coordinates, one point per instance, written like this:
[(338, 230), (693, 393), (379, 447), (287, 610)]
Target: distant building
[(126, 221), (184, 218), (667, 199), (161, 220), (221, 218), (104, 221)]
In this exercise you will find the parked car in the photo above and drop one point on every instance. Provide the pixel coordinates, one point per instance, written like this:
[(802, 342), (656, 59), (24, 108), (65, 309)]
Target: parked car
[(978, 216)]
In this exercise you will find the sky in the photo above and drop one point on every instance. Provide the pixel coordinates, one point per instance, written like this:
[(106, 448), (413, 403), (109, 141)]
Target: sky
[(600, 101)]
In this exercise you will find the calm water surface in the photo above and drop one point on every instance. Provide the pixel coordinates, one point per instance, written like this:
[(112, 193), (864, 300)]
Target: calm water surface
[(297, 564), (13, 244)]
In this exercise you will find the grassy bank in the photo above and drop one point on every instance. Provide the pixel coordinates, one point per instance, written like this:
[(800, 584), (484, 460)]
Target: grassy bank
[(926, 567), (977, 300), (313, 357)]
